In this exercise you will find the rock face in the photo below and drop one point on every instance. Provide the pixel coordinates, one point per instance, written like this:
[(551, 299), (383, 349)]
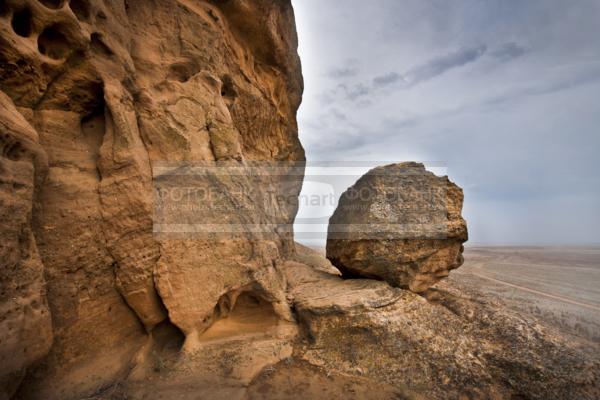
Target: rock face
[(363, 339), (94, 95), (25, 325), (398, 223), (453, 342)]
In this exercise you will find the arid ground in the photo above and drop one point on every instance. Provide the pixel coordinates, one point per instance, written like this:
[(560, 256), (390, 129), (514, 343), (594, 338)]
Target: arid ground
[(556, 284)]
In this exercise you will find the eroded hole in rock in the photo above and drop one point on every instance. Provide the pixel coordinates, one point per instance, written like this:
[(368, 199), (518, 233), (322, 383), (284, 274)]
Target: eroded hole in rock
[(93, 127), (53, 43), (22, 22), (168, 341), (53, 4), (181, 72), (11, 148), (15, 152), (228, 88), (99, 46), (81, 9), (241, 313), (163, 353)]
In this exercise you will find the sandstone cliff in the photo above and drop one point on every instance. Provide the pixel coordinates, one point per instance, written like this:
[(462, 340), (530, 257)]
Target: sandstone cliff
[(93, 94)]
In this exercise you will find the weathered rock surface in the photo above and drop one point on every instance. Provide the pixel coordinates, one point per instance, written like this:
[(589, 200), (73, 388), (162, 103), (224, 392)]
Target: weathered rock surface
[(453, 342), (399, 223), (96, 95), (108, 106), (25, 324)]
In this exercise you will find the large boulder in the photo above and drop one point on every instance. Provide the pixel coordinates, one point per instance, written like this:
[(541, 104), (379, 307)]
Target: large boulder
[(398, 223)]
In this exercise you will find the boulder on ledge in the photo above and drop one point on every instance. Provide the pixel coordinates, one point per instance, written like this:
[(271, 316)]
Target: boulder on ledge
[(398, 223)]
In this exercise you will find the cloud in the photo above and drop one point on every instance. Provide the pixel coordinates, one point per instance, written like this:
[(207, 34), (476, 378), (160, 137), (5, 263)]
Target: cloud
[(544, 88), (351, 93), (509, 51), (421, 73), (357, 91), (439, 65), (341, 73), (337, 114), (387, 79)]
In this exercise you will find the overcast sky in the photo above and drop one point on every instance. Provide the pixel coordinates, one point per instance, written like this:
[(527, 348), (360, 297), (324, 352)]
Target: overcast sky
[(504, 94)]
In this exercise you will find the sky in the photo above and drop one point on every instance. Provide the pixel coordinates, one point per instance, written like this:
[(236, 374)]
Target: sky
[(502, 96)]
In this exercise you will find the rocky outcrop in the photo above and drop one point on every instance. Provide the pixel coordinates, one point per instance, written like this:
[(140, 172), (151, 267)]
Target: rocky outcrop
[(453, 342), (98, 96), (399, 223), (363, 339)]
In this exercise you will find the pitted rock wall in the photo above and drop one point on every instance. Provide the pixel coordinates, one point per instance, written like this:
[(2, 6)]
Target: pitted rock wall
[(94, 94)]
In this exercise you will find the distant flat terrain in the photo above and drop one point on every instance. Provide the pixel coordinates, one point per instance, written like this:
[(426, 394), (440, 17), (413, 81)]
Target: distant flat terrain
[(558, 284)]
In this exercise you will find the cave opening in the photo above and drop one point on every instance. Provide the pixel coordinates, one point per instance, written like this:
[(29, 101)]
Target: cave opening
[(53, 43), (241, 313), (168, 338), (22, 22)]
